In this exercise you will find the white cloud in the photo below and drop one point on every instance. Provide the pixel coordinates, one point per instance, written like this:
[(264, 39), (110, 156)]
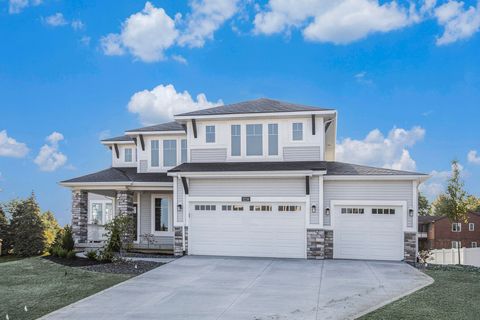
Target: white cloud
[(56, 20), (163, 102), (362, 78), (10, 147), (437, 183), (335, 21), (206, 17), (459, 22), (473, 157), (380, 151), (50, 158), (16, 6), (146, 35), (180, 59), (77, 25), (85, 40)]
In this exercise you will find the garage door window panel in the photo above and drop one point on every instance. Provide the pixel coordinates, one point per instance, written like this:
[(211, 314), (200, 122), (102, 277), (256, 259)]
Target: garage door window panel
[(289, 208), (353, 210)]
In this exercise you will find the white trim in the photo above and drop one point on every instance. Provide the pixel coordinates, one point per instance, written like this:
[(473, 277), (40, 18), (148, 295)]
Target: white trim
[(256, 115), (336, 203), (108, 143), (248, 174), (170, 231), (320, 201), (304, 125), (418, 177), (103, 202), (252, 199), (175, 201), (138, 217), (471, 224), (123, 185)]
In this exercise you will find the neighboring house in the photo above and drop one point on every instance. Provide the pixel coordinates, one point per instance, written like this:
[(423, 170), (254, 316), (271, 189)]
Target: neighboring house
[(438, 232), (256, 178)]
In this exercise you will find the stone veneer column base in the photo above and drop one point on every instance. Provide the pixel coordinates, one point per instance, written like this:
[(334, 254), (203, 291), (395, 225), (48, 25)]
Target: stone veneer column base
[(178, 242), (328, 244), (80, 216), (410, 246), (319, 244)]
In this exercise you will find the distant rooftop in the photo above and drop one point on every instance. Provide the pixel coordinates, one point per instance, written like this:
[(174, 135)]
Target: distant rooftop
[(262, 105)]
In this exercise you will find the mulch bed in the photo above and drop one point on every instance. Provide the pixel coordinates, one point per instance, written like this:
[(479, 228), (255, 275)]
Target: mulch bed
[(121, 267)]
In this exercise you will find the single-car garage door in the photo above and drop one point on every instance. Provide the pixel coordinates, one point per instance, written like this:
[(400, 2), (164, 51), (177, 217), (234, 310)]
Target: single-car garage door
[(247, 229), (368, 232)]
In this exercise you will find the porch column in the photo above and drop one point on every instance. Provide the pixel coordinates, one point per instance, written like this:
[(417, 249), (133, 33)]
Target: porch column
[(79, 215), (124, 203)]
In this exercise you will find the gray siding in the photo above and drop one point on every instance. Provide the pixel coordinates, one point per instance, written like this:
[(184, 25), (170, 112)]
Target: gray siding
[(367, 190), (143, 167), (262, 187), (314, 200), (165, 242), (180, 192), (301, 153), (208, 155)]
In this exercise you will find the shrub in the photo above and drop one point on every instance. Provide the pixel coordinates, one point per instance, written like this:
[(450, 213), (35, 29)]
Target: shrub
[(105, 256), (71, 254), (5, 234), (67, 238), (92, 255), (51, 229), (54, 250), (62, 253), (119, 233)]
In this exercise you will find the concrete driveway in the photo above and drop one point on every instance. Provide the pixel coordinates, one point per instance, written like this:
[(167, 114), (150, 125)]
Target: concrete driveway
[(200, 288)]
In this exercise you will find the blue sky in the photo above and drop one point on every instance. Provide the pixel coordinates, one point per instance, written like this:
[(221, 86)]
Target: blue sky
[(405, 78)]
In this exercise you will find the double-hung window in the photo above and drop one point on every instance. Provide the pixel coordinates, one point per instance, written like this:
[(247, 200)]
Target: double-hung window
[(160, 209), (128, 155), (273, 139), (169, 153), (236, 140), (210, 134), (101, 211), (184, 150), (297, 131), (456, 227), (254, 140), (155, 153), (471, 226)]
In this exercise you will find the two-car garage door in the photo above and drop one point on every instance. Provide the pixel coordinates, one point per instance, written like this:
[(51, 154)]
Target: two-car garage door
[(247, 229)]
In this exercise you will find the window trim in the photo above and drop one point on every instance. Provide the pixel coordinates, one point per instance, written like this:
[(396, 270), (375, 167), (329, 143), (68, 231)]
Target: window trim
[(214, 133), (268, 140), (151, 154), (231, 140), (472, 225), (458, 244), (175, 153), (125, 155), (457, 224), (473, 246), (103, 203), (303, 131), (170, 215), (261, 140), (182, 160)]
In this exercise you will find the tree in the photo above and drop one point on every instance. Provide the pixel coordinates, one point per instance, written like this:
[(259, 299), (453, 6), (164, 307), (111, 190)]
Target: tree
[(5, 232), (473, 204), (455, 204), (27, 227), (424, 208), (439, 205), (51, 228)]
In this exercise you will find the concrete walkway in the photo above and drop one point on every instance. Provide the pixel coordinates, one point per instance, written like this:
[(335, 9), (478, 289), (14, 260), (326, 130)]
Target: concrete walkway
[(200, 288)]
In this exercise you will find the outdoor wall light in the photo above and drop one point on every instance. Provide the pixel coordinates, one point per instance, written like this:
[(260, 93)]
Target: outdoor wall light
[(327, 211), (179, 207), (410, 212), (314, 209)]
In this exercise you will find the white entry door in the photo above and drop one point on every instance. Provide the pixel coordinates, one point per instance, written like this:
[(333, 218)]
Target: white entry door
[(368, 232), (247, 229)]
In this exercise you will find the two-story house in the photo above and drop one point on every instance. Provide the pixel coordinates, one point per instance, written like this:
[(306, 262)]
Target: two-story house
[(438, 232), (256, 178)]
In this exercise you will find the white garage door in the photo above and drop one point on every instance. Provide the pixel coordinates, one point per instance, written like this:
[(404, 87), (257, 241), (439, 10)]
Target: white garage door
[(368, 232), (247, 229)]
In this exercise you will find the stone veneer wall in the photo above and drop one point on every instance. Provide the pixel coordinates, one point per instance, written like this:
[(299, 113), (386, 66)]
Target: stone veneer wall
[(178, 245), (328, 244), (315, 244), (410, 246), (79, 216), (125, 202)]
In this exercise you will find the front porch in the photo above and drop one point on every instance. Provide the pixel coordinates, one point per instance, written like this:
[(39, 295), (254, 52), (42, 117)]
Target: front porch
[(151, 211)]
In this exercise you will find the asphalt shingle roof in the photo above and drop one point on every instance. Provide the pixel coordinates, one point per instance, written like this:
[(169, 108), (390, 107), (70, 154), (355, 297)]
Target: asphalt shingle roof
[(122, 175), (169, 126), (120, 138), (262, 105), (332, 167)]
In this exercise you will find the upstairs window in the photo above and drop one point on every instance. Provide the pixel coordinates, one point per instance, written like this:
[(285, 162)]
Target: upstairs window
[(210, 134), (456, 227), (155, 153), (297, 131), (236, 140), (169, 153), (184, 150), (254, 140), (128, 155), (471, 226), (273, 139)]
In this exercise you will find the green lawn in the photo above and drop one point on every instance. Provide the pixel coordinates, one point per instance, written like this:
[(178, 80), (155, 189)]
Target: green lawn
[(9, 258), (44, 286), (455, 294)]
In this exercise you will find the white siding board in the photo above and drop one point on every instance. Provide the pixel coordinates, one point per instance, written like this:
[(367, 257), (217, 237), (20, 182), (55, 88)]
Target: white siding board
[(208, 155), (314, 201), (180, 193), (307, 153)]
